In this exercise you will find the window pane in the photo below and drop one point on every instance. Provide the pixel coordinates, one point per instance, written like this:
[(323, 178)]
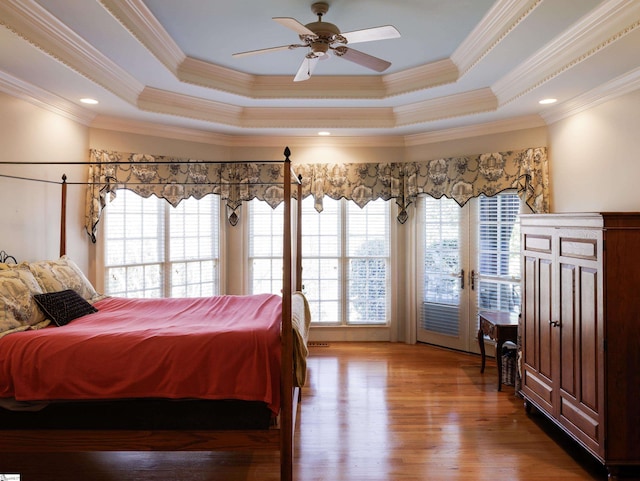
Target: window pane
[(441, 251), (321, 268), (138, 262), (266, 237), (134, 245), (499, 252), (368, 272), (321, 230), (194, 239)]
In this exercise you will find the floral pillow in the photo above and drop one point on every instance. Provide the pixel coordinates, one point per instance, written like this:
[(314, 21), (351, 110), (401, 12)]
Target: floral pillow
[(18, 309), (62, 274)]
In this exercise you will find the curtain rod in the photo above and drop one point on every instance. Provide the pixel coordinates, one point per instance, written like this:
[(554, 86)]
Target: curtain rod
[(153, 162), (295, 180)]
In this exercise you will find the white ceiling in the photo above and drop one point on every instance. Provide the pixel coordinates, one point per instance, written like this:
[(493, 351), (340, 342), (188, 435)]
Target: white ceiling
[(460, 68)]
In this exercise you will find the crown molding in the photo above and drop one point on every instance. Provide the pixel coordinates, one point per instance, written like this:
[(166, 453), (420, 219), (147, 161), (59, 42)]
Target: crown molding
[(162, 101), (604, 25), (307, 141), (488, 128), (138, 19), (503, 17), (206, 74), (160, 130), (465, 103), (43, 99), (423, 77), (205, 137), (37, 26), (608, 91), (319, 87), (326, 118)]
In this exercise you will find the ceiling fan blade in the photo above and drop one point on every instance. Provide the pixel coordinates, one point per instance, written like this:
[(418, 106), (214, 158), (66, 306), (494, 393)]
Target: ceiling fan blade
[(266, 50), (306, 69), (361, 58), (370, 34), (294, 25)]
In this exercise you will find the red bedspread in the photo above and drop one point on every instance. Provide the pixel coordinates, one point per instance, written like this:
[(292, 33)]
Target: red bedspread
[(225, 347)]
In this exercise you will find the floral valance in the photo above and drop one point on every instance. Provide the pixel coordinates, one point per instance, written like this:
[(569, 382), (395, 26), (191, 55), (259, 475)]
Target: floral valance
[(458, 178), (175, 179)]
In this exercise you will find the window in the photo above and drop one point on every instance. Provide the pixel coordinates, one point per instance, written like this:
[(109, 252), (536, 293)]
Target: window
[(345, 277), (499, 252), (345, 261), (368, 262), (322, 274), (153, 249), (266, 232)]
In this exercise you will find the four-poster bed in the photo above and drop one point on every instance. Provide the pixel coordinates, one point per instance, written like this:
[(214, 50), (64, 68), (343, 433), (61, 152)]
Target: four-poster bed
[(291, 309)]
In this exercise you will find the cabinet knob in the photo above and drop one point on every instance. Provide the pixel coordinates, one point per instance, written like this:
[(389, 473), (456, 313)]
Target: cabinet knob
[(554, 323)]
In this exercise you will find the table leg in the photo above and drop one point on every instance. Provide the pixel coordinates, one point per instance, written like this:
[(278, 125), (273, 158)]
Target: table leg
[(481, 343), (499, 343)]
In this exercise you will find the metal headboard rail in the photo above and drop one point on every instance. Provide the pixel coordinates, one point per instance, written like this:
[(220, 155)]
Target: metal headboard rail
[(5, 258)]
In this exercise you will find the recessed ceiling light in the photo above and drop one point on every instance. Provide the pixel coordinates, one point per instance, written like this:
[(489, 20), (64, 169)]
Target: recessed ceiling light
[(548, 101), (89, 101), (324, 133)]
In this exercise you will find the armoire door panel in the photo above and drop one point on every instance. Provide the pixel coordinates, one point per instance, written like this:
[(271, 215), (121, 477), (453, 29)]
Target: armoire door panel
[(530, 311), (537, 243), (578, 248), (590, 340), (539, 387), (567, 327), (588, 426), (544, 334)]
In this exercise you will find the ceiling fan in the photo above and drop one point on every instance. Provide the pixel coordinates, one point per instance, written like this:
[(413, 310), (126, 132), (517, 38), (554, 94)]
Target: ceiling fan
[(320, 37)]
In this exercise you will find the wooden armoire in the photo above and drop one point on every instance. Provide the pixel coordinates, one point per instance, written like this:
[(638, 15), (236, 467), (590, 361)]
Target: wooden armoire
[(580, 330)]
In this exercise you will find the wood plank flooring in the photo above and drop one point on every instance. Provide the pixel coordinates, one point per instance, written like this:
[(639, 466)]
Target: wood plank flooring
[(370, 411)]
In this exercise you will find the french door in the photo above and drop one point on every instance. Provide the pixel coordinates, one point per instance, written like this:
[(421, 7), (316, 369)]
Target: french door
[(468, 259)]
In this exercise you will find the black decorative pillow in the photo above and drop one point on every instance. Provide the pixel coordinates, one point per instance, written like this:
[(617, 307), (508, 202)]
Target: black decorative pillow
[(64, 306)]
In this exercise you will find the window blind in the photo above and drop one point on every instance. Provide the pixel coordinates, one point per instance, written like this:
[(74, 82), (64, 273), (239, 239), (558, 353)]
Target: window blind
[(155, 250)]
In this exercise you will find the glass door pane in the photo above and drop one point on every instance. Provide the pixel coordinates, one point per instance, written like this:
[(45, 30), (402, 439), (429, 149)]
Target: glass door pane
[(496, 270), (443, 312)]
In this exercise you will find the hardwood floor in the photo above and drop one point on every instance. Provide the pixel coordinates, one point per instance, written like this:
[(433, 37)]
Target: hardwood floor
[(370, 411)]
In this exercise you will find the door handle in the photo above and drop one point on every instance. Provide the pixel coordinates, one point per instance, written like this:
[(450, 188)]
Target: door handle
[(461, 279), (554, 323), (472, 280)]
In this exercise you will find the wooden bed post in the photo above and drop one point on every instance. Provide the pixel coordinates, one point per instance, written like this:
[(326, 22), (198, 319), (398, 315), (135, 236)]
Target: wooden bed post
[(299, 237), (63, 217), (286, 418)]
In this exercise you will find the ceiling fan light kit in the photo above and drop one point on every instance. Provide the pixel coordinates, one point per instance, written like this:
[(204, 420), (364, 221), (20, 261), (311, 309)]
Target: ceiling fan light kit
[(321, 37)]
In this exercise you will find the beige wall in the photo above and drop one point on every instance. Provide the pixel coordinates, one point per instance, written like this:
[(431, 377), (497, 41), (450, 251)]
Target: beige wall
[(147, 144), (514, 140), (30, 211), (595, 160)]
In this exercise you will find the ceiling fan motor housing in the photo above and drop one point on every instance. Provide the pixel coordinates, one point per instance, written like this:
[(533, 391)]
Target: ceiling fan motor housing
[(325, 35)]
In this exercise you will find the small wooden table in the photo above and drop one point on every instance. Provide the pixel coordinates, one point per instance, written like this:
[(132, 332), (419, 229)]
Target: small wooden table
[(501, 327)]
